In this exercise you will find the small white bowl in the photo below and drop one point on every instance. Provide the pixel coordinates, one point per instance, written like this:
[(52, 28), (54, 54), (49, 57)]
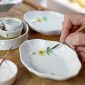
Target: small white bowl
[(16, 42), (61, 64), (12, 24), (8, 72), (10, 34)]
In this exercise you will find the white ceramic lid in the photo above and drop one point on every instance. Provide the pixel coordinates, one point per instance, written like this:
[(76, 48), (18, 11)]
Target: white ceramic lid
[(46, 22), (61, 64)]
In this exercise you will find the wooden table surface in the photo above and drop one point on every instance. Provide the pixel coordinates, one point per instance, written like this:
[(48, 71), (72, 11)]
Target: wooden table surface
[(24, 77)]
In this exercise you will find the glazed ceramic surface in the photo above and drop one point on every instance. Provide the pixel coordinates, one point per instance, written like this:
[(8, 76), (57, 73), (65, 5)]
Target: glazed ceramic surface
[(6, 5), (40, 58), (6, 44), (46, 22), (64, 4), (8, 72), (13, 24), (10, 27)]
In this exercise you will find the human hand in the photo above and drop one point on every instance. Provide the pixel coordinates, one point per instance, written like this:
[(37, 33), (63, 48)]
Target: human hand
[(76, 39), (71, 22), (81, 52), (77, 42)]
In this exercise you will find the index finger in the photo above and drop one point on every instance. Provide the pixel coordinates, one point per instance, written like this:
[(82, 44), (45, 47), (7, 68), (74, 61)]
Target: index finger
[(66, 28), (69, 21)]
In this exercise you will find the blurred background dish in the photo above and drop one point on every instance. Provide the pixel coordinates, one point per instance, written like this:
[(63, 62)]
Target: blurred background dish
[(45, 22), (5, 5), (64, 6), (72, 6)]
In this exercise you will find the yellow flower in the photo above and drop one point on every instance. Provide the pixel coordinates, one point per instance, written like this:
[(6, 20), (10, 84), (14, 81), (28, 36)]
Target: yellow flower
[(40, 20), (42, 52)]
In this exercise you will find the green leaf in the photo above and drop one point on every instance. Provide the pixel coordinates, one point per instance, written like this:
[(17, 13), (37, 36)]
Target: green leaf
[(49, 50), (45, 18)]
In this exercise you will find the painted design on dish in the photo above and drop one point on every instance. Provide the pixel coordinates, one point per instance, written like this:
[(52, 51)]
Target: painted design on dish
[(40, 20), (48, 50), (42, 52)]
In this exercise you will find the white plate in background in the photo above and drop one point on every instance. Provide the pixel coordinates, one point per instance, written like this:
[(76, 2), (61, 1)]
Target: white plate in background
[(64, 4), (6, 5), (62, 64), (50, 22)]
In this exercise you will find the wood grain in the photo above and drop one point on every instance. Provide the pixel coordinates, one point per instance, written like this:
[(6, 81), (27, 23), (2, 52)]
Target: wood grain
[(34, 5)]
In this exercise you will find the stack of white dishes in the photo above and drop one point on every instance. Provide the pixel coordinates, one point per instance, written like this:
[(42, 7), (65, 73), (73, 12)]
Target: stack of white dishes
[(13, 32), (11, 28), (45, 22)]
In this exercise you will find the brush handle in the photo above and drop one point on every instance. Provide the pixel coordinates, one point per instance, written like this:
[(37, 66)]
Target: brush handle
[(81, 28), (34, 5)]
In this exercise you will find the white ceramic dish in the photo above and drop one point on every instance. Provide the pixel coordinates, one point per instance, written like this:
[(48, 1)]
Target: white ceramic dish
[(5, 5), (8, 73), (11, 34), (12, 29), (61, 64), (65, 6), (12, 24), (45, 22), (16, 42)]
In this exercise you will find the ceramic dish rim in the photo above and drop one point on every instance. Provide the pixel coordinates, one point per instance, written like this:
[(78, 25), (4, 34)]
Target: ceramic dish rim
[(44, 75), (27, 29), (18, 1), (40, 30), (13, 76)]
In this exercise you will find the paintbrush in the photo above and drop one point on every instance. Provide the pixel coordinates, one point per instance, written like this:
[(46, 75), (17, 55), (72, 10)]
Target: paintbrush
[(80, 29), (5, 56)]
